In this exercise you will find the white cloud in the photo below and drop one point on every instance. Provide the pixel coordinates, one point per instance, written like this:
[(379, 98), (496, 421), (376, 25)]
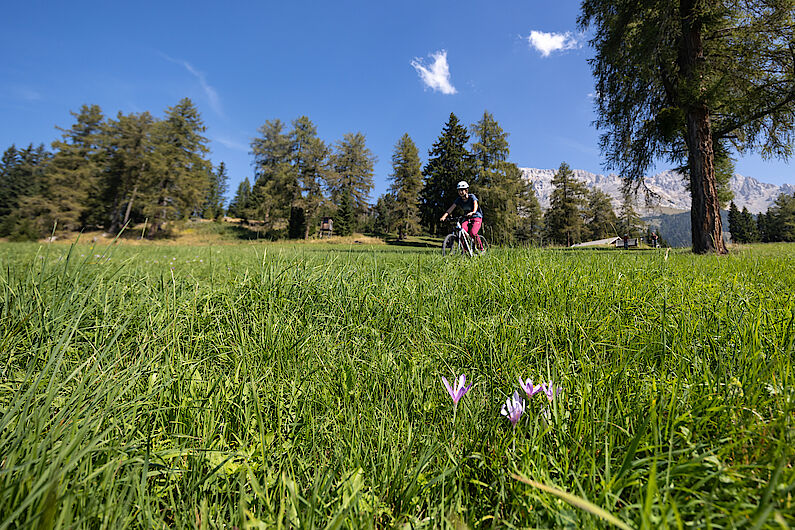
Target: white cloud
[(231, 144), (437, 75), (209, 91), (548, 43)]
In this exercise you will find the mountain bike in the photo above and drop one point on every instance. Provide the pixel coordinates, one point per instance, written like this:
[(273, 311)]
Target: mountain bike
[(460, 242)]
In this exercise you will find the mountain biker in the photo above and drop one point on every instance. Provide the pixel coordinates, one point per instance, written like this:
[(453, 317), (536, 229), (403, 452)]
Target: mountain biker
[(471, 206)]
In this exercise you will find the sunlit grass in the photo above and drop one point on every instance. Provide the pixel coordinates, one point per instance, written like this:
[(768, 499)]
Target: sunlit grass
[(300, 385)]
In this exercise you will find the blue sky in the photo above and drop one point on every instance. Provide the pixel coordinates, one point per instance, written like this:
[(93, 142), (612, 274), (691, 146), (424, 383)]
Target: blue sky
[(381, 68)]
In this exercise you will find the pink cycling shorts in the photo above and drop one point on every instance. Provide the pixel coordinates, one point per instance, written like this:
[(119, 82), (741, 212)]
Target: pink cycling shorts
[(472, 226)]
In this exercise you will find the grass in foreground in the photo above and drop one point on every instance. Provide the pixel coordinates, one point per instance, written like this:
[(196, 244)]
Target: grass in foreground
[(300, 386)]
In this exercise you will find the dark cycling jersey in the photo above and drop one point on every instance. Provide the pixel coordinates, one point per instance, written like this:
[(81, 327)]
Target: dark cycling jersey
[(469, 204)]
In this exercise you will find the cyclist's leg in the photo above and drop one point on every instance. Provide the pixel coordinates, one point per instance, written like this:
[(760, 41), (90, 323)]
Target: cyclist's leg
[(474, 228)]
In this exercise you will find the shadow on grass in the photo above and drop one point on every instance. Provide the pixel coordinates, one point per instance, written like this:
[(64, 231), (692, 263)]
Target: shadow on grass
[(414, 242)]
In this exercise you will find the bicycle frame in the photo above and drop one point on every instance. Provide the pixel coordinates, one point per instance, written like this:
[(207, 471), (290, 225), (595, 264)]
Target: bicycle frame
[(465, 243)]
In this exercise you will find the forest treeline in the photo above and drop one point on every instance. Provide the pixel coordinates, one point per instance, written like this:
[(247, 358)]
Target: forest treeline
[(107, 173), (776, 224)]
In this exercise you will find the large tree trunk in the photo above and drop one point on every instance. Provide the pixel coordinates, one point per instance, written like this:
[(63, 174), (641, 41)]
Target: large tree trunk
[(705, 221), (706, 227)]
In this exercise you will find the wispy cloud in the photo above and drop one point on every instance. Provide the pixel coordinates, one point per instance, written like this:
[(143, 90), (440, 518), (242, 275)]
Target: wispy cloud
[(436, 75), (209, 91), (231, 144), (549, 43), (25, 93)]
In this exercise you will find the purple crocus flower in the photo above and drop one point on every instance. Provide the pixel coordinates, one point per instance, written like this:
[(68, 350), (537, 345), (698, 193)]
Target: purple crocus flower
[(513, 408), (528, 387), (551, 390), (460, 389)]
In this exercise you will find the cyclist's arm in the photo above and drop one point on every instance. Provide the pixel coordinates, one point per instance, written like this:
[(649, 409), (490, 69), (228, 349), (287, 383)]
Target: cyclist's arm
[(448, 212)]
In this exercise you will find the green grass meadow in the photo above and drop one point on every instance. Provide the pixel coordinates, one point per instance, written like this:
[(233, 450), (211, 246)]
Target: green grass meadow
[(299, 386)]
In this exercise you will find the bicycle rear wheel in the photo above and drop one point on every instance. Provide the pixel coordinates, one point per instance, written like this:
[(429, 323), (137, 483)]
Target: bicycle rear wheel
[(481, 245)]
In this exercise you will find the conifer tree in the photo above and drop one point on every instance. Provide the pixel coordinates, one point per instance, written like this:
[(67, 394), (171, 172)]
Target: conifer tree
[(350, 178), (530, 228), (240, 202), (310, 157), (133, 164), (275, 190), (345, 220), (564, 219), (386, 216), (736, 225), (601, 219), (683, 80), (214, 200), (183, 180), (629, 222), (498, 182), (404, 194), (449, 162), (72, 179), (21, 178), (781, 219), (749, 226)]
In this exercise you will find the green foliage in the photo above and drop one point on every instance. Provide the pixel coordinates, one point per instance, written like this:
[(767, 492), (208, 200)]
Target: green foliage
[(498, 182), (214, 200), (564, 219), (72, 180), (21, 176), (345, 222), (268, 385), (405, 189), (350, 179), (386, 217), (601, 221), (185, 177), (449, 161), (134, 165), (684, 81), (310, 159), (629, 222), (780, 219), (239, 204), (531, 222)]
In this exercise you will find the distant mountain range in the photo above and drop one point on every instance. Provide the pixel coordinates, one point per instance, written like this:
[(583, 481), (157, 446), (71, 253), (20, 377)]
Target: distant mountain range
[(669, 185)]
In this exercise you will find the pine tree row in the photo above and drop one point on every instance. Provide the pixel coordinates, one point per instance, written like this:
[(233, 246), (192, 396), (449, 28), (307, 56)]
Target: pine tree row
[(109, 173), (777, 224), (106, 173)]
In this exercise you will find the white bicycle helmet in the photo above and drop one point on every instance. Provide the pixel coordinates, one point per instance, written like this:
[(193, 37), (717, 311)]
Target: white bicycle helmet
[(463, 185)]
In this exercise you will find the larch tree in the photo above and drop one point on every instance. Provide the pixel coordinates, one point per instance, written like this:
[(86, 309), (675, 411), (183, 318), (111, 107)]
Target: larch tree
[(688, 80), (72, 176), (449, 161), (404, 195), (601, 220), (629, 222), (240, 202), (214, 199), (275, 190), (564, 219), (133, 164), (498, 183), (350, 178), (309, 159), (183, 179)]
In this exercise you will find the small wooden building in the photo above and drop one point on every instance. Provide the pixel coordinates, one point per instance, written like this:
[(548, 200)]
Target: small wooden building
[(327, 227)]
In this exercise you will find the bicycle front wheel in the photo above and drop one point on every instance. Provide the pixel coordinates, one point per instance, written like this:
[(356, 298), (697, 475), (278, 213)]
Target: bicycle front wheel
[(449, 245)]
